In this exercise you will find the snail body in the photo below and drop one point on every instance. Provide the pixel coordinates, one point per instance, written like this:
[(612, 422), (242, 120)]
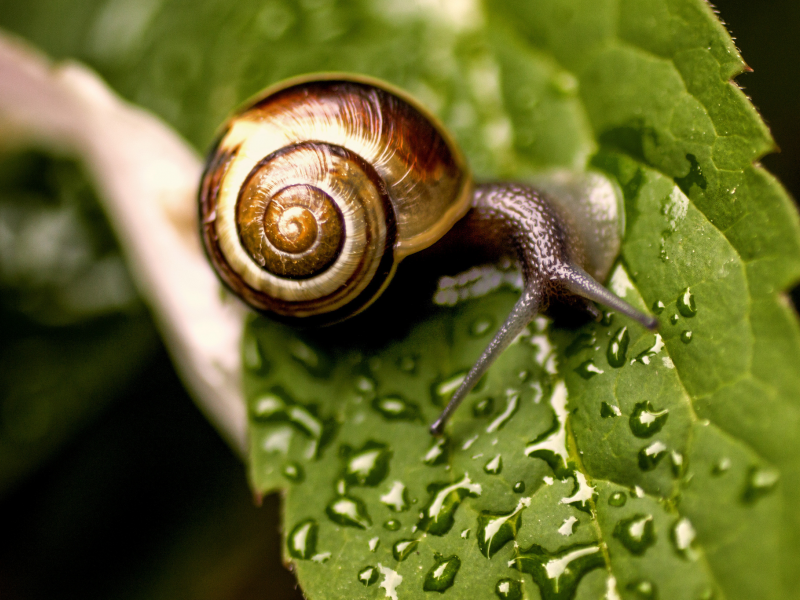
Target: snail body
[(316, 191)]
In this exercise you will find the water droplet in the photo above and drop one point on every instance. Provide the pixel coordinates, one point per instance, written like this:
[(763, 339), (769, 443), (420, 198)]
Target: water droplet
[(658, 307), (374, 543), (438, 515), (636, 533), (683, 535), (608, 411), (391, 581), (392, 525), (407, 364), (494, 466), (558, 573), (674, 319), (608, 319), (443, 390), (442, 574), (322, 557), (465, 534), (348, 511), (678, 463), (396, 498), (252, 355), (637, 492), (618, 348), (651, 455), (293, 472), (512, 404), (368, 576), (314, 361), (277, 406), (760, 482), (496, 530), (438, 453), (367, 466), (508, 589), (582, 493), (645, 590), (519, 487), (566, 528), (403, 548), (396, 408), (483, 407), (365, 385), (618, 499), (721, 466), (587, 369), (645, 421), (645, 356), (551, 446), (583, 341), (686, 336), (481, 326), (302, 541), (686, 304)]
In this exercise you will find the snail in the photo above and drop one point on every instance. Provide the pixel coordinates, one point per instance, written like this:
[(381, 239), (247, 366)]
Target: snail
[(314, 193)]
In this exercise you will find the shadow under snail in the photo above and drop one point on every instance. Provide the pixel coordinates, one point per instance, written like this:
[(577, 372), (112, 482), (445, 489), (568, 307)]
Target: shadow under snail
[(316, 191)]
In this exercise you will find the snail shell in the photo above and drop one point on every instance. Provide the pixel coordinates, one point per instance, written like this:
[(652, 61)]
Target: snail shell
[(316, 190)]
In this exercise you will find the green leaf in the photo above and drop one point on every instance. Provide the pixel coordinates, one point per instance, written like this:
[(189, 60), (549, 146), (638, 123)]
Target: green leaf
[(629, 465)]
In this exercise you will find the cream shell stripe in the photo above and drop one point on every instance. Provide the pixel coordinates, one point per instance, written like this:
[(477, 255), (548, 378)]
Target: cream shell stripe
[(257, 140)]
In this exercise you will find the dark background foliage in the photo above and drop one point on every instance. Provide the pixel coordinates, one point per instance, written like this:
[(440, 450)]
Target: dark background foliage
[(141, 498)]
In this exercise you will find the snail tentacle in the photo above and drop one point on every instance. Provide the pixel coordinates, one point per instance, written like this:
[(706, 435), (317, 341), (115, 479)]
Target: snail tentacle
[(523, 313), (548, 253)]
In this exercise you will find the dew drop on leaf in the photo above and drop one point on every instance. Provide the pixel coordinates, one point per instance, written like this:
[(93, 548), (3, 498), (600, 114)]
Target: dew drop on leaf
[(636, 533), (508, 589), (645, 421), (496, 530), (438, 453), (403, 548), (392, 525), (519, 487), (587, 369), (374, 543), (759, 483), (682, 536), (512, 405), (481, 326), (494, 466), (678, 463), (483, 407), (617, 350), (607, 319), (407, 364), (674, 319), (293, 472), (442, 390), (442, 574), (348, 511), (314, 361), (438, 515), (644, 590), (686, 336), (608, 411), (396, 408), (721, 467), (617, 499), (686, 304), (396, 498), (658, 307), (651, 455), (558, 573), (368, 576), (368, 465), (302, 540)]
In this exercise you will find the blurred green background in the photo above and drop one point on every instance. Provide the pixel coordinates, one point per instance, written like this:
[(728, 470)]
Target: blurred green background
[(112, 485)]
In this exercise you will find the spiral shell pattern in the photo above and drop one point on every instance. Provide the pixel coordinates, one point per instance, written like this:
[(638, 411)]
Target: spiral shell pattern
[(316, 191)]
